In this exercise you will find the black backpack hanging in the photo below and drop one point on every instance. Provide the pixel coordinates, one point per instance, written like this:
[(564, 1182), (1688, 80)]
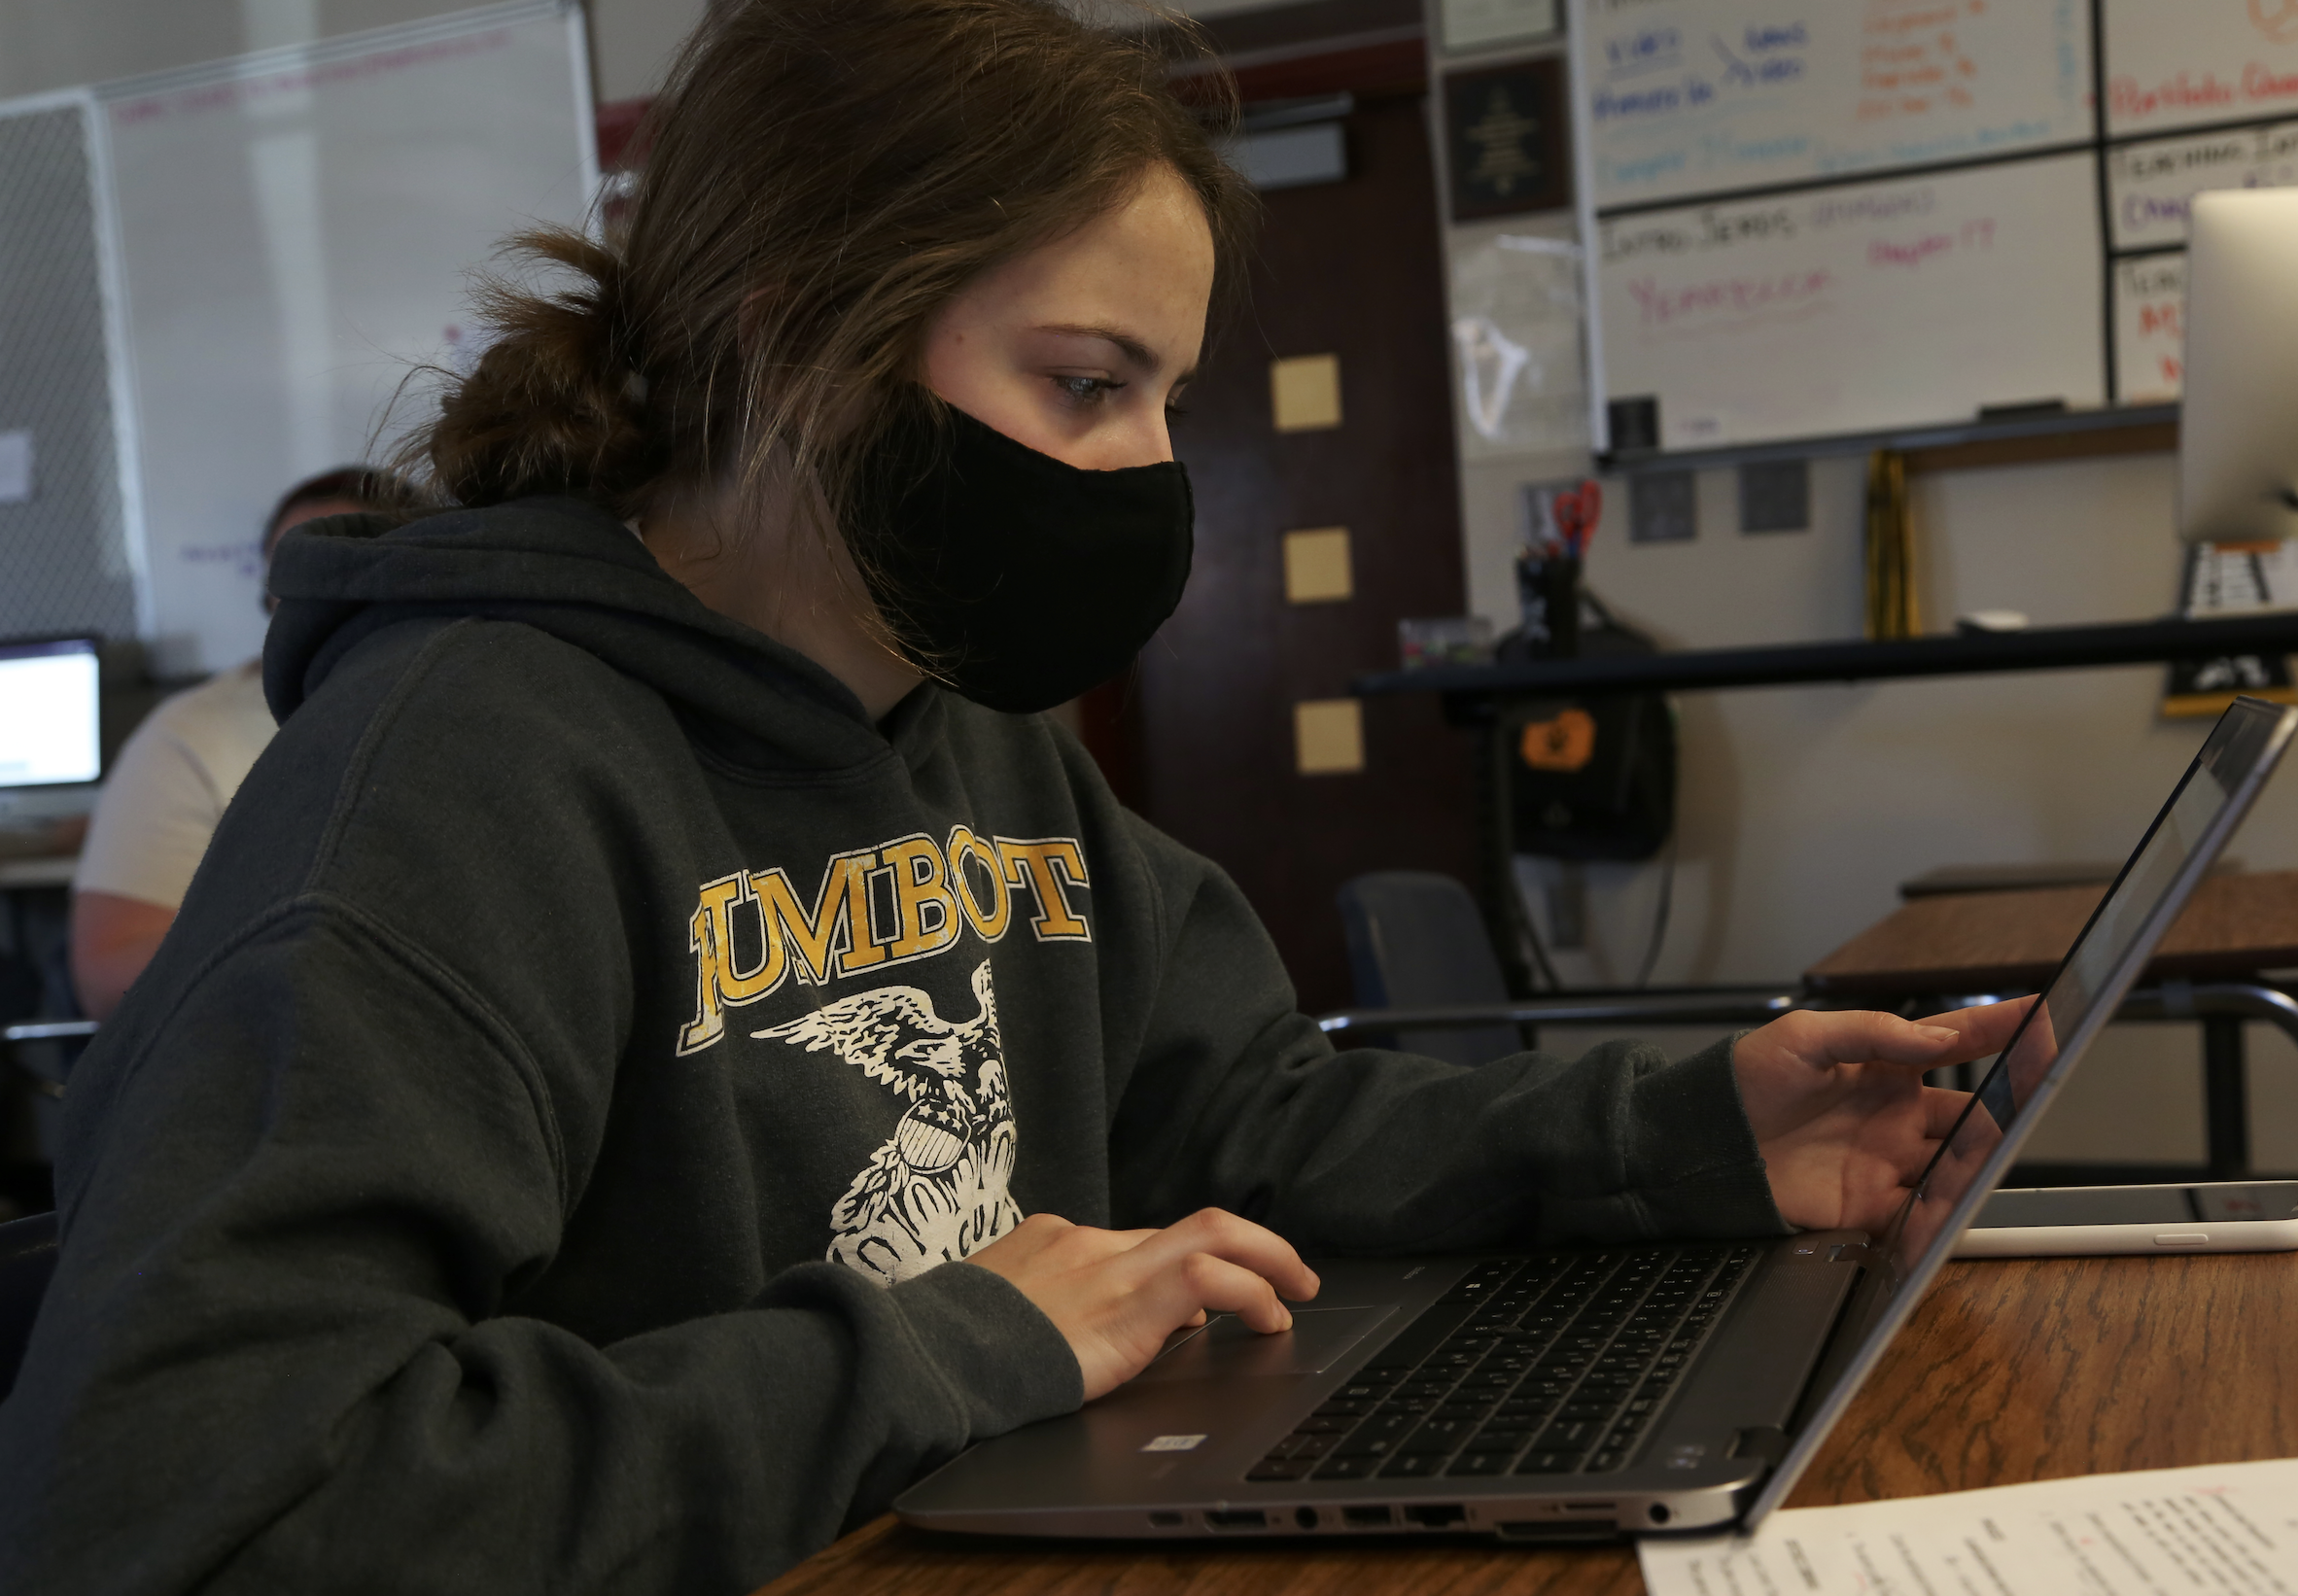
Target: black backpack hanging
[(1592, 776)]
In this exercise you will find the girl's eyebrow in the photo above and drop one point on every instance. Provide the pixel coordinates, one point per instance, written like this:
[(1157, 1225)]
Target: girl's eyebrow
[(1137, 354)]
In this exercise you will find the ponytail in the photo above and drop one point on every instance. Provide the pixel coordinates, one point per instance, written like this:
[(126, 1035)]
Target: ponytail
[(555, 403)]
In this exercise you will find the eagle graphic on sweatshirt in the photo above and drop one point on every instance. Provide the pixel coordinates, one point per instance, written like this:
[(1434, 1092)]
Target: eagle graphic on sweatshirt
[(936, 1190)]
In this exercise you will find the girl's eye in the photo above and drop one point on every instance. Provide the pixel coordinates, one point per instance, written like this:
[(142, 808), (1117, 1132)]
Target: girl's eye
[(1087, 389)]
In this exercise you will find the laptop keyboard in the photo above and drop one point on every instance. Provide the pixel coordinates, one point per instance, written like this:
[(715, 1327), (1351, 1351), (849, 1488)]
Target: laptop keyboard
[(1558, 1367)]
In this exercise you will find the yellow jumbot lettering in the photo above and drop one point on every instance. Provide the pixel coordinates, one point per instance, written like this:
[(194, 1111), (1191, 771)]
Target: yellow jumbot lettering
[(921, 882), (718, 984), (988, 920), (843, 902), (1045, 865), (935, 890)]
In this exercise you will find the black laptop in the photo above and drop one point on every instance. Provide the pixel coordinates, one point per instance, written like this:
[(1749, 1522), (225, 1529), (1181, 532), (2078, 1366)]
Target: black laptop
[(1589, 1392)]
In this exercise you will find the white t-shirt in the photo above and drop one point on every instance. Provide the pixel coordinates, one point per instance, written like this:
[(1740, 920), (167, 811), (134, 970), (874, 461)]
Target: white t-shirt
[(168, 787)]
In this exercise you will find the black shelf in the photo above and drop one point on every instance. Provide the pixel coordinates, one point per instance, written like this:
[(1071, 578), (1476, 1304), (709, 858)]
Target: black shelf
[(1945, 436), (2036, 648)]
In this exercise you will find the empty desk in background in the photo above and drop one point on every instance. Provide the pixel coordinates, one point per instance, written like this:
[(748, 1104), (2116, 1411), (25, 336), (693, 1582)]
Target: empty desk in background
[(2010, 1370), (1946, 950)]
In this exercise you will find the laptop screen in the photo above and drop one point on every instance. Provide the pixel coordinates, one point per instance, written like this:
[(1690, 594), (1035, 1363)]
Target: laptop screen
[(2176, 852), (50, 713)]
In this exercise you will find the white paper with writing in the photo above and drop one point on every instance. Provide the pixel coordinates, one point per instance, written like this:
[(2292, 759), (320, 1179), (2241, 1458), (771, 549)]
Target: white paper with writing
[(2230, 1529)]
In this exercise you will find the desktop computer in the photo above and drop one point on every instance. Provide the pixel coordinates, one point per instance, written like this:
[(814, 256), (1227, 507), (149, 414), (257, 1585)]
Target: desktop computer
[(2238, 442)]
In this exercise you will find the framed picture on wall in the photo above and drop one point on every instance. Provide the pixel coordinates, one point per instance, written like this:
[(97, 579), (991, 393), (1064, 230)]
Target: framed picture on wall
[(1505, 139), (1480, 24)]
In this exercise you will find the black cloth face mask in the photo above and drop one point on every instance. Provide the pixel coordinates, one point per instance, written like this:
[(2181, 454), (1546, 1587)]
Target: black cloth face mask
[(1016, 578)]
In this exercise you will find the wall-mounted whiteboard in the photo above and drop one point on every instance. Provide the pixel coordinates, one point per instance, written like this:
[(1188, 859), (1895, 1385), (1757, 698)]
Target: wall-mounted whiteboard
[(1762, 318), (296, 231), (1785, 194), (2152, 182), (2187, 64), (1696, 96), (2150, 328)]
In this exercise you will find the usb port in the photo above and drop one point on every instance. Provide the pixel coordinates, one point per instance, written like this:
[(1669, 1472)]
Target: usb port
[(1437, 1517), (1236, 1518)]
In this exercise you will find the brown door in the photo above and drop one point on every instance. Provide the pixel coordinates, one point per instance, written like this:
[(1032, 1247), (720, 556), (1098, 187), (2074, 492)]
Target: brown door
[(1351, 269)]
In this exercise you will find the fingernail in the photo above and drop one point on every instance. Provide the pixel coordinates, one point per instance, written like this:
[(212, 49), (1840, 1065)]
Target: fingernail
[(1288, 1324), (1940, 1033)]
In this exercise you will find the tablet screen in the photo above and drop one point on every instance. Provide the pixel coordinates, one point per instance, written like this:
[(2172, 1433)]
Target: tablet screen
[(2090, 976), (1971, 1158)]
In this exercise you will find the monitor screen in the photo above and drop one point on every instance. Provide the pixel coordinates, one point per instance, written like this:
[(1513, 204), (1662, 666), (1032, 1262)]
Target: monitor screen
[(2174, 853), (49, 713)]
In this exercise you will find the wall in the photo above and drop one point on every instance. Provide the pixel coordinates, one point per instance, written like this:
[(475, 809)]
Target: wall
[(58, 43)]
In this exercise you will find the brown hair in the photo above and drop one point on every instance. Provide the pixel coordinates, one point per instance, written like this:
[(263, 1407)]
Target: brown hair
[(822, 176)]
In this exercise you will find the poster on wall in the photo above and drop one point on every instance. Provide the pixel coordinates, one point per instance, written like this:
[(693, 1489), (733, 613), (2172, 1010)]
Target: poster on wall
[(1505, 148), (1518, 350)]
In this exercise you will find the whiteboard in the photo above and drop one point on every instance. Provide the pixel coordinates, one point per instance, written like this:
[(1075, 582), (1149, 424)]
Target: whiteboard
[(1703, 97), (295, 232), (2152, 184), (2150, 328), (2186, 64), (1859, 307)]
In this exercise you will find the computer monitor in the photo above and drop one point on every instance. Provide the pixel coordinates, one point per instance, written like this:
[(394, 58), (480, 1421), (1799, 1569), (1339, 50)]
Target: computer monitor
[(49, 713), (2238, 439)]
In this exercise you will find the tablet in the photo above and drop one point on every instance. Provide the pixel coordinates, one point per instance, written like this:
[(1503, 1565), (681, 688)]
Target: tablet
[(2253, 1216)]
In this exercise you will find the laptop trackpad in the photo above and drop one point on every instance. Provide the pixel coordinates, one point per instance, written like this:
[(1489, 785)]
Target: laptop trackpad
[(1224, 1348)]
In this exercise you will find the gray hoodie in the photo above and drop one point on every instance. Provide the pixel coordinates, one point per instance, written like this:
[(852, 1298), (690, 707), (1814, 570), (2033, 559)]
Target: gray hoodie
[(530, 1160)]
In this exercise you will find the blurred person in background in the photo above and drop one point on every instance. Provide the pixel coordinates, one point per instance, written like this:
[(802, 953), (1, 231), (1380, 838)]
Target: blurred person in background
[(174, 777)]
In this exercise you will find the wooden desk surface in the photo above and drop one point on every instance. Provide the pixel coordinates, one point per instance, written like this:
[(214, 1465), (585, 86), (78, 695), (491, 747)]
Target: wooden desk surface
[(2018, 1370), (2236, 926)]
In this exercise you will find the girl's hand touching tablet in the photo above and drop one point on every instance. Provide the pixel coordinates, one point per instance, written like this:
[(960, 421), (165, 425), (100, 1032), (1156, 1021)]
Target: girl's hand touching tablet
[(1839, 1109)]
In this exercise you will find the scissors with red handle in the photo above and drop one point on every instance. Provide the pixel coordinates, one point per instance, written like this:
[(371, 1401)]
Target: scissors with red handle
[(1577, 511)]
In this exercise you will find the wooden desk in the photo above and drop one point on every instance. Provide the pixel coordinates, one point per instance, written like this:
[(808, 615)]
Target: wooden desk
[(2014, 1370), (1935, 950), (2236, 926)]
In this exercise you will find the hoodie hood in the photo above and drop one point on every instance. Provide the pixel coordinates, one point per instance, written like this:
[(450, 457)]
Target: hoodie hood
[(569, 569)]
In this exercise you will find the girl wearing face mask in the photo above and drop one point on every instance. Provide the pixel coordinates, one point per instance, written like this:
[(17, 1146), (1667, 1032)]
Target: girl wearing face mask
[(670, 1045)]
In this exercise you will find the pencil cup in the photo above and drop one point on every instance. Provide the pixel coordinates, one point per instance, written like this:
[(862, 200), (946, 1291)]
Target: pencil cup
[(1547, 591)]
